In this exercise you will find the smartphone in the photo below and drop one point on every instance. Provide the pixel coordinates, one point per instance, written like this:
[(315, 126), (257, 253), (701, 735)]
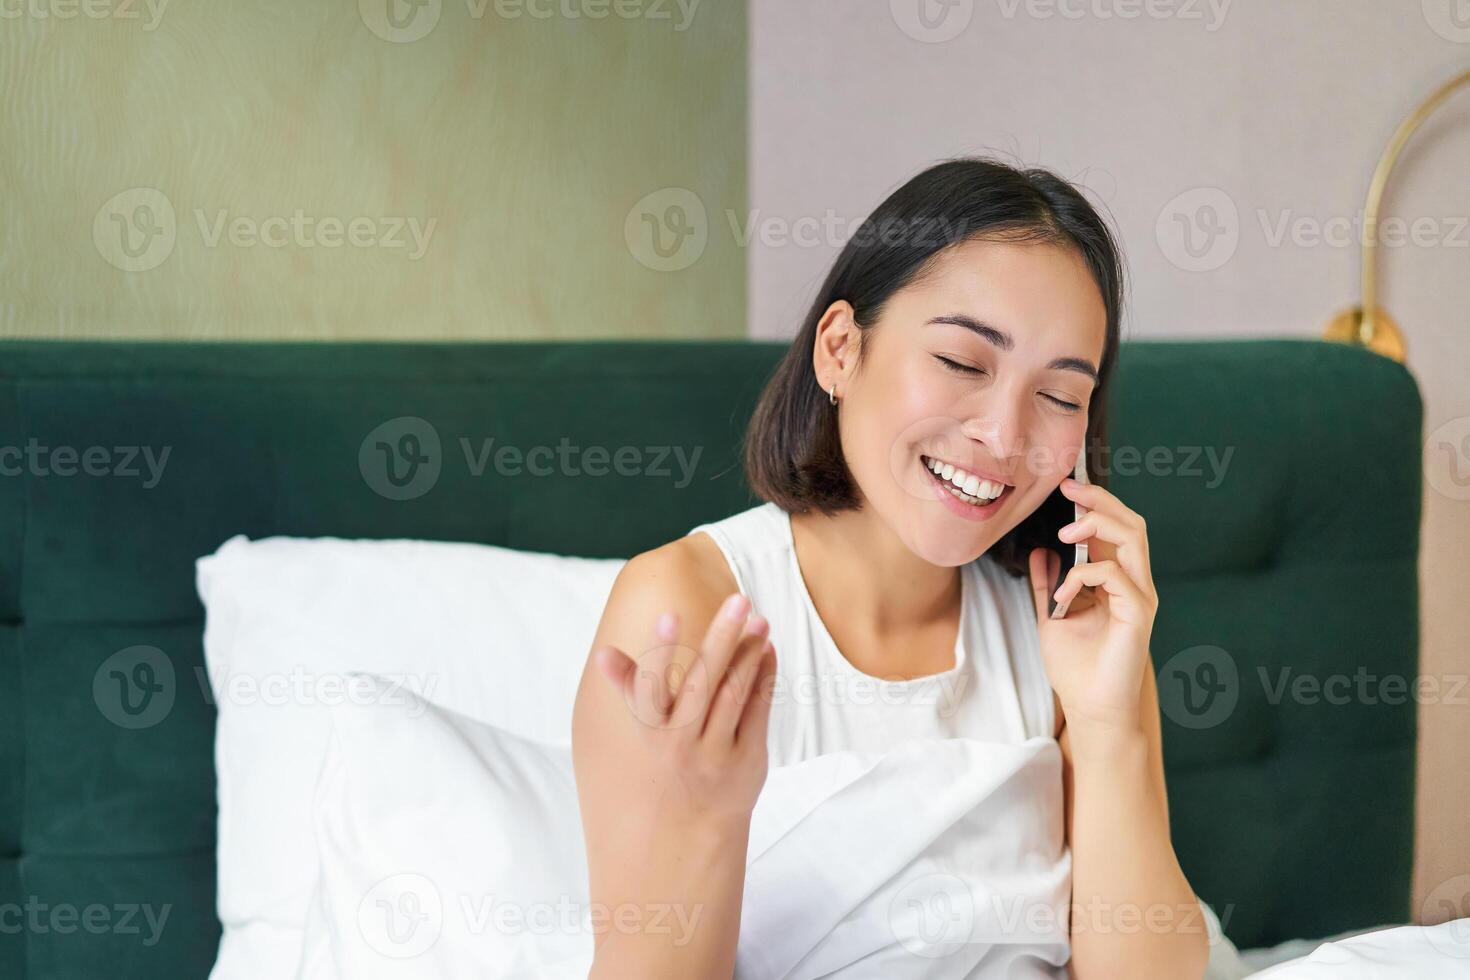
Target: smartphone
[(1079, 473)]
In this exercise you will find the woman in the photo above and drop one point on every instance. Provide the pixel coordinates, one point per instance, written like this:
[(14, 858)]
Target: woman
[(914, 448)]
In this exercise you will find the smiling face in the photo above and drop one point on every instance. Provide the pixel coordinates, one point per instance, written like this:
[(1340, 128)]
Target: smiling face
[(984, 366)]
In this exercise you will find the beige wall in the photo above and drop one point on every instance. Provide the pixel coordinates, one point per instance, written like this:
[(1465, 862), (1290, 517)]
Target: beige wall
[(1278, 110), (311, 170)]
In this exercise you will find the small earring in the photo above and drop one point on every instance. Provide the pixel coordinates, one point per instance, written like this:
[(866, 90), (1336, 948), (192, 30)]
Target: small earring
[(832, 395)]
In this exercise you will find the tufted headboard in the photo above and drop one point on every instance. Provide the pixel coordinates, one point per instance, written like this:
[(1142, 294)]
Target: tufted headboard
[(1280, 480)]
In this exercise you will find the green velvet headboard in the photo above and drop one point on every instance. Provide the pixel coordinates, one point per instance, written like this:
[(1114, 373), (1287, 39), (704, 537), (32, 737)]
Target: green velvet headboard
[(1292, 815)]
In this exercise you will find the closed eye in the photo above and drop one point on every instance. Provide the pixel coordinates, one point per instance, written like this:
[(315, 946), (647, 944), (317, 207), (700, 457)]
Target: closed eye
[(956, 366), (969, 371)]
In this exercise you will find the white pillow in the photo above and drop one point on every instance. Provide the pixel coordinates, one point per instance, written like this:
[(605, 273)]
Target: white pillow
[(449, 849), (495, 634)]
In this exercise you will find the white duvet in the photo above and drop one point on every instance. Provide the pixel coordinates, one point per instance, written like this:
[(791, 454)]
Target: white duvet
[(453, 849), (1440, 952)]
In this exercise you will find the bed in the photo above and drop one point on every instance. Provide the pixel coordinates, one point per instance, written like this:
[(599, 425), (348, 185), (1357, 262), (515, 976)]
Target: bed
[(123, 463)]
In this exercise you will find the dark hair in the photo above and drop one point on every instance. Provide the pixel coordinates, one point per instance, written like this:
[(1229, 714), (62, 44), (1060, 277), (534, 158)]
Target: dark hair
[(793, 454)]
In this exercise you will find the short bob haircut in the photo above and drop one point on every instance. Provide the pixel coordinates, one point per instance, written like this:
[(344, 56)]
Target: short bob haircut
[(793, 455)]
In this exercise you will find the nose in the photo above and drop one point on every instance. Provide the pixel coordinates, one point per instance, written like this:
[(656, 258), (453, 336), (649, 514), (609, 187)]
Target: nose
[(998, 428)]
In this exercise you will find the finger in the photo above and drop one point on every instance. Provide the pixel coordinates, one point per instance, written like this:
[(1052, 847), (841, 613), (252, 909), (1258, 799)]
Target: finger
[(656, 682), (658, 678), (1127, 601), (695, 696), (1095, 497), (756, 720), (635, 683), (735, 690), (1130, 543), (1041, 572), (720, 642), (615, 665), (656, 667), (649, 697)]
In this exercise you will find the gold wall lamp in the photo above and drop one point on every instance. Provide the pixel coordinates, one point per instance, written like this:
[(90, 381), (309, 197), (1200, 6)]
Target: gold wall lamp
[(1368, 325)]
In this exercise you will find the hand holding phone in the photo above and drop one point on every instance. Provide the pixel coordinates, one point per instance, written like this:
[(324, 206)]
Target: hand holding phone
[(1079, 473)]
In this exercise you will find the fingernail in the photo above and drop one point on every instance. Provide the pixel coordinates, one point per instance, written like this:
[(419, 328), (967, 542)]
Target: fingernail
[(736, 607), (1068, 529), (757, 625), (666, 626)]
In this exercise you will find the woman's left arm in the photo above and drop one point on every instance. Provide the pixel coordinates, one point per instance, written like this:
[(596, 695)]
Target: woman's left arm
[(1133, 912)]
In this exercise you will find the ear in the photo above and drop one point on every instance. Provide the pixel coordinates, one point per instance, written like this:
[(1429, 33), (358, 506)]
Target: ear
[(835, 345)]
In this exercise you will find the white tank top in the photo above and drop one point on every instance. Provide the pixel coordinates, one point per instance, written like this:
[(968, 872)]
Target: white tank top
[(997, 691)]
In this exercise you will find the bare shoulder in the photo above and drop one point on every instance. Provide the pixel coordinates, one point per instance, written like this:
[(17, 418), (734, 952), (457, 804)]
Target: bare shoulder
[(688, 576), (690, 567)]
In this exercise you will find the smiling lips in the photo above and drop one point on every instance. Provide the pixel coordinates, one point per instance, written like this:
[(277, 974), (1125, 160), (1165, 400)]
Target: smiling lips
[(966, 486)]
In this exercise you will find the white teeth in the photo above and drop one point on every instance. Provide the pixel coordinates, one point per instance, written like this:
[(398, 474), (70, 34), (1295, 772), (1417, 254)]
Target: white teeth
[(965, 482)]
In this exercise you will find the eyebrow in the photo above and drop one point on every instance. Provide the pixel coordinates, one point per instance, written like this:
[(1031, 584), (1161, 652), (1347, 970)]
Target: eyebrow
[(999, 338)]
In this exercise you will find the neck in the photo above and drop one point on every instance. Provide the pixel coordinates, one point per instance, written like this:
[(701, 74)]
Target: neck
[(856, 567)]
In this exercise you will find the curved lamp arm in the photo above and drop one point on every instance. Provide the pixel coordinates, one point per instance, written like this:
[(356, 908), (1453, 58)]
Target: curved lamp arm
[(1367, 325)]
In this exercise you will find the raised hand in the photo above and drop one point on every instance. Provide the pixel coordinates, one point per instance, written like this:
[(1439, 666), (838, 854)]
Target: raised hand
[(701, 714)]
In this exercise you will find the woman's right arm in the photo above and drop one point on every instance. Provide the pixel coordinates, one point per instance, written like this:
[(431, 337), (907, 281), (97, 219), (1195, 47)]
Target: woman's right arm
[(669, 751)]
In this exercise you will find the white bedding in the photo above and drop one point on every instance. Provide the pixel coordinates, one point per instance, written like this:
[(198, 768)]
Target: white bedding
[(490, 649), (1440, 952), (1384, 951), (433, 826)]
